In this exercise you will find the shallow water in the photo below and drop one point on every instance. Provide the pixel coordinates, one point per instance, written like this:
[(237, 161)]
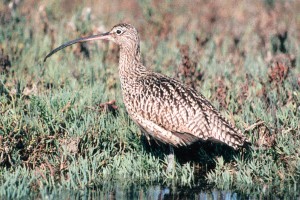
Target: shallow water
[(158, 192)]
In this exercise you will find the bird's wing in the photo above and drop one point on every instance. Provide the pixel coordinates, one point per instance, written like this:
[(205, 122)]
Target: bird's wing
[(182, 113), (168, 104)]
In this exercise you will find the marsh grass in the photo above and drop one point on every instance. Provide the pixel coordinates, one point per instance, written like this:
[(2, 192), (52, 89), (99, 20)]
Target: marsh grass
[(57, 133)]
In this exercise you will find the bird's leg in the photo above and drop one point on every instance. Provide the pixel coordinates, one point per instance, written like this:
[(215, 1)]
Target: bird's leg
[(171, 160)]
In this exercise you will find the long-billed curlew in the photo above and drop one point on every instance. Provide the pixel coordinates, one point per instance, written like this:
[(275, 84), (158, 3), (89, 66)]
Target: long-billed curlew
[(161, 106)]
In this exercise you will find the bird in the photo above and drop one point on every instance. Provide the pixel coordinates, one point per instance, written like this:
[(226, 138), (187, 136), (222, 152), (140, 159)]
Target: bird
[(164, 108)]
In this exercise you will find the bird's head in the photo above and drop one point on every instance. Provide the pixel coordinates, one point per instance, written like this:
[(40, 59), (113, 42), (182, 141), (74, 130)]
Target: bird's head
[(125, 35)]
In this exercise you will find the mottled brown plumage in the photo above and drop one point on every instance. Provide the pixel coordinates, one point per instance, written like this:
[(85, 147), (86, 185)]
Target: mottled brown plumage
[(164, 108)]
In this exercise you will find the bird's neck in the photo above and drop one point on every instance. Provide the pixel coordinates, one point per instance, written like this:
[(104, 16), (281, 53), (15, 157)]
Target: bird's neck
[(130, 66)]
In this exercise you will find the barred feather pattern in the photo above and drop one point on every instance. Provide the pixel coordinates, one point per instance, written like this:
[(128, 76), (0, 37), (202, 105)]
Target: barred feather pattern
[(163, 107)]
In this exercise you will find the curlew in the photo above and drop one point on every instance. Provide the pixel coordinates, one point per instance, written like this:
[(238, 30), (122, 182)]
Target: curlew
[(163, 107)]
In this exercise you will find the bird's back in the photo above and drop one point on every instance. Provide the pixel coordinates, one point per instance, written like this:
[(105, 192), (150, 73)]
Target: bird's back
[(174, 113)]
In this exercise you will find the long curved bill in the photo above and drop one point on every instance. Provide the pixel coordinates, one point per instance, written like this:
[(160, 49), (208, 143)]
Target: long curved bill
[(84, 39)]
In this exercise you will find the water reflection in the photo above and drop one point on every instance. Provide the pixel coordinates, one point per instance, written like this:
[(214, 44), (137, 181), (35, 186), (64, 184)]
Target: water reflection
[(157, 192), (148, 193)]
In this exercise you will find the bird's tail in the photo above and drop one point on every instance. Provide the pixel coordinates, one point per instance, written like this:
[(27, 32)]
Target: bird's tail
[(225, 132)]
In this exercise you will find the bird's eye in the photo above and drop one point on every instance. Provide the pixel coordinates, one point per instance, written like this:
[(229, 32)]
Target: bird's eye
[(119, 32)]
